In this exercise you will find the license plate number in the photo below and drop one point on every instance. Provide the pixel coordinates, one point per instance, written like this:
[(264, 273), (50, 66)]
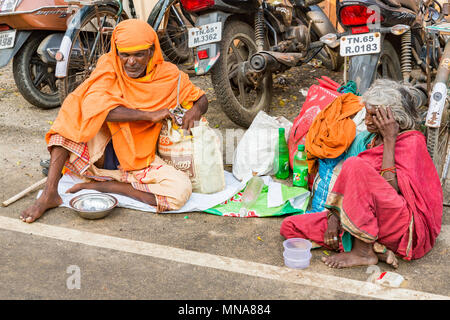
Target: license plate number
[(358, 44), (7, 39), (205, 34)]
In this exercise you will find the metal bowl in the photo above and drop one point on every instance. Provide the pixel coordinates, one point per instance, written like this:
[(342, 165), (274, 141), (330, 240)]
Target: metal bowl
[(93, 205)]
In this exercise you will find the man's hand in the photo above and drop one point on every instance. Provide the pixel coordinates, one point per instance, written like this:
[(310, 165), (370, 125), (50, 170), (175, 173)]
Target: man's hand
[(195, 113), (160, 115), (190, 117)]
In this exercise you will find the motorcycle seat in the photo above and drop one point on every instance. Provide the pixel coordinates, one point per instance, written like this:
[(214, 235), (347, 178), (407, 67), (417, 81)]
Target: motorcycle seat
[(409, 4)]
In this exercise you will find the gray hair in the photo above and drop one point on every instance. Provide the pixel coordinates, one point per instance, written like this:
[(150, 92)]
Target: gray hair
[(397, 96)]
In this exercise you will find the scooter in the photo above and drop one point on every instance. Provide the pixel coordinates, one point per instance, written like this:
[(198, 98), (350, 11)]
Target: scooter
[(26, 29)]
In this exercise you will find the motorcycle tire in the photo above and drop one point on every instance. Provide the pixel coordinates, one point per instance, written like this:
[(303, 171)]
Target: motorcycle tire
[(389, 63), (240, 32), (331, 59), (30, 72), (76, 74), (174, 39)]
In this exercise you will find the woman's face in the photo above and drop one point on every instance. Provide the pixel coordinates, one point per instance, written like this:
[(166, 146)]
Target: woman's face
[(370, 124)]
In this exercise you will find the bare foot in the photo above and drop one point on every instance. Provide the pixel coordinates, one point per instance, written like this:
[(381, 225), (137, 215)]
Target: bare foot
[(36, 210), (362, 254), (388, 257)]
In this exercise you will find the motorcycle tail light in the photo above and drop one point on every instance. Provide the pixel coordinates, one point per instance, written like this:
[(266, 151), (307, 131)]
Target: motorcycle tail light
[(203, 54), (362, 29), (196, 5), (4, 27), (356, 15)]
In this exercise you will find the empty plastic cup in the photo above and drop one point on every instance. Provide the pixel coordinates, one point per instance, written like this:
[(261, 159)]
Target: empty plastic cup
[(297, 263), (297, 248)]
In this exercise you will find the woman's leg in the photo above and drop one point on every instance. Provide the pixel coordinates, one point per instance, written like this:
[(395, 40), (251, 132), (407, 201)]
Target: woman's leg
[(310, 226), (369, 209)]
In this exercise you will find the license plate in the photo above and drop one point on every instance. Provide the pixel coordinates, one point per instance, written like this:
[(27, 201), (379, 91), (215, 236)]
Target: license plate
[(358, 44), (207, 33), (7, 39)]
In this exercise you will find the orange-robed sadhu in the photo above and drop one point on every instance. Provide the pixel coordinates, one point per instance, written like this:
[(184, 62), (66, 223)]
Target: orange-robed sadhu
[(84, 111)]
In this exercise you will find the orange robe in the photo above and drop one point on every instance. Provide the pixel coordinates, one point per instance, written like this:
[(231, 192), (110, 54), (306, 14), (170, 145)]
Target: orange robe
[(84, 111)]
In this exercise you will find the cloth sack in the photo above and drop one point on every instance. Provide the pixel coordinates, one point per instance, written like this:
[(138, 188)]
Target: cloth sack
[(198, 155), (256, 150)]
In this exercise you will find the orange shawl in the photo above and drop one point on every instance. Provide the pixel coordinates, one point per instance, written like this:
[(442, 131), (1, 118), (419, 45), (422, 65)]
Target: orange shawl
[(84, 111), (332, 130)]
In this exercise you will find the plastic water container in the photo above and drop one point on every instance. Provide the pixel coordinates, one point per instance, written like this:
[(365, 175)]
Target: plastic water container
[(301, 263), (297, 248)]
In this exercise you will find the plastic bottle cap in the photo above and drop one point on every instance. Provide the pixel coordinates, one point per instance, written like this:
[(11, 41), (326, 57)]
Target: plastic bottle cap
[(301, 147)]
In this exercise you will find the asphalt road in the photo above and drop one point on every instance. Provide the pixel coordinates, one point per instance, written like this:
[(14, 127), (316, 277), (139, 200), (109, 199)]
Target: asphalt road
[(139, 255)]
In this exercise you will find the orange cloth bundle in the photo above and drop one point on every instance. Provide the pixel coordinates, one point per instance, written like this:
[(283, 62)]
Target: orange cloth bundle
[(84, 110), (332, 130)]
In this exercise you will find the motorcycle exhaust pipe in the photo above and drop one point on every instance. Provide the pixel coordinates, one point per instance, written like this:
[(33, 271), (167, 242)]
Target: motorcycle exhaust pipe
[(272, 61)]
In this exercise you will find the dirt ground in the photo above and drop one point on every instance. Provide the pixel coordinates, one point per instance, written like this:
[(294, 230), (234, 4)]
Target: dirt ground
[(22, 146)]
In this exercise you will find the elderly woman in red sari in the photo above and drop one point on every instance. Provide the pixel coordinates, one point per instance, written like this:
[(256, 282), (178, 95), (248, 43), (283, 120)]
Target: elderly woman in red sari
[(388, 198)]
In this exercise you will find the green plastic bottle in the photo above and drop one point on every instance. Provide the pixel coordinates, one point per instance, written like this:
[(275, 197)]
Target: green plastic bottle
[(281, 161), (300, 168)]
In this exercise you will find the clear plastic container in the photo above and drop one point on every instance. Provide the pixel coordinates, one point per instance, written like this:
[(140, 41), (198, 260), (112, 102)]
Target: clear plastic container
[(297, 247), (252, 192), (297, 263)]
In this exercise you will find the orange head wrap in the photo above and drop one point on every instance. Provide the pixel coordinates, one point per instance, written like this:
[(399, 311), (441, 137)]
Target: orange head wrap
[(135, 35)]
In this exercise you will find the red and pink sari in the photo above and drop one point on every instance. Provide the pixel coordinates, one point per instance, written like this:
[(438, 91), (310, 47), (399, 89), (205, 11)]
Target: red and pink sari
[(371, 210)]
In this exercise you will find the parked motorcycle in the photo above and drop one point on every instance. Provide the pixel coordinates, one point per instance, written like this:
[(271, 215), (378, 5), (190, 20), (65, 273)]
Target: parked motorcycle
[(242, 42), (387, 39), (395, 39), (25, 29)]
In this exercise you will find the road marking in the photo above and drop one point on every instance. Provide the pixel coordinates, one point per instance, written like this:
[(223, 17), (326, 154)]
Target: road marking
[(284, 274)]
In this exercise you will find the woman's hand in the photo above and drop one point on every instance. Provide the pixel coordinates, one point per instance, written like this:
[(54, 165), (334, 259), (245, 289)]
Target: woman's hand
[(331, 235), (386, 124)]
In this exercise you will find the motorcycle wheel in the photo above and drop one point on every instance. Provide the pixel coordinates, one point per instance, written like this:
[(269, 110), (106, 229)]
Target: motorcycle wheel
[(331, 59), (81, 62), (438, 143), (389, 63), (240, 98), (174, 38), (34, 78)]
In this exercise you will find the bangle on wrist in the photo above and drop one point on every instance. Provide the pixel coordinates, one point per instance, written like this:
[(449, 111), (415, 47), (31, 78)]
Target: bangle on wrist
[(391, 169)]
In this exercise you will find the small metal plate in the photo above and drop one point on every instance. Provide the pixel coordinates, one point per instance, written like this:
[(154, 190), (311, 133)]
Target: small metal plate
[(93, 205)]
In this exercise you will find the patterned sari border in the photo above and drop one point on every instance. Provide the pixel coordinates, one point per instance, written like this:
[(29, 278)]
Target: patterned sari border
[(335, 201)]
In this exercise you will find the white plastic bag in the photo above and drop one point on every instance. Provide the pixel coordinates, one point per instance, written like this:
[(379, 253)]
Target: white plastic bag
[(256, 150)]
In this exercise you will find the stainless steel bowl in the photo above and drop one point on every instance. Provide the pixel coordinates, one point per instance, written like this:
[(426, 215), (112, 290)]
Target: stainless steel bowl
[(93, 205)]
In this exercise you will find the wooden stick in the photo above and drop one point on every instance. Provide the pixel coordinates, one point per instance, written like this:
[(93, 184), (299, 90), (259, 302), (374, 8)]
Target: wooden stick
[(24, 192)]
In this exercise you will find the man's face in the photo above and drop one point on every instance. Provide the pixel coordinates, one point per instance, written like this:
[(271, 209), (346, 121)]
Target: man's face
[(135, 63)]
